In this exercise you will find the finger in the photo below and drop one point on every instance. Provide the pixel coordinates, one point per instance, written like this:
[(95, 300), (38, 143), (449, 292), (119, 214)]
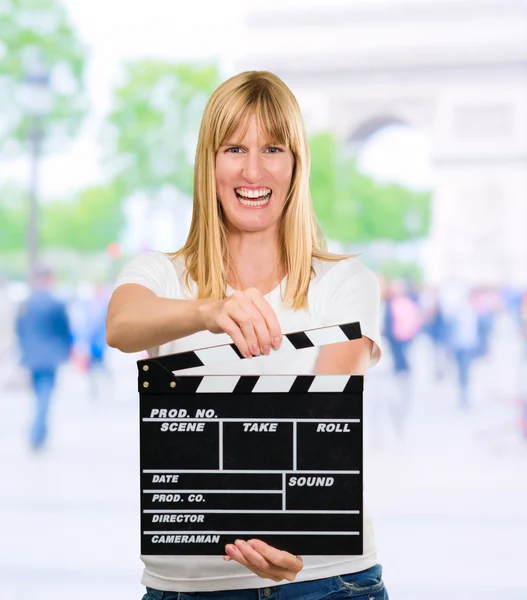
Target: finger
[(255, 559), (274, 573), (240, 315), (234, 553), (277, 572), (280, 558), (287, 566), (230, 327), (271, 320), (259, 322)]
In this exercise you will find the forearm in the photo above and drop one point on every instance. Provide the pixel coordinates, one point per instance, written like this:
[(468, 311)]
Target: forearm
[(150, 322), (351, 357)]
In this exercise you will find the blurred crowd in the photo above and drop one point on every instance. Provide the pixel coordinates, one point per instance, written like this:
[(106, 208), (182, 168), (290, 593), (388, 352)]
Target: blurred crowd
[(51, 325), (42, 329), (459, 323)]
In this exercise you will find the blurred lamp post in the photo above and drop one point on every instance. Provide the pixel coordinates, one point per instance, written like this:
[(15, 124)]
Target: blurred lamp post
[(36, 101)]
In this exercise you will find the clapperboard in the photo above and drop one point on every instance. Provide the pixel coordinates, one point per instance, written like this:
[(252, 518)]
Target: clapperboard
[(273, 457)]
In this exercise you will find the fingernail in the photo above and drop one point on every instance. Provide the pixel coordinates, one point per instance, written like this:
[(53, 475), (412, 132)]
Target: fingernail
[(253, 544), (255, 349), (267, 349), (240, 542), (248, 354), (276, 342), (230, 547)]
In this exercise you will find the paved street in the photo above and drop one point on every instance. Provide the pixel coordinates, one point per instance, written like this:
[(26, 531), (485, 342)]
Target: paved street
[(448, 495)]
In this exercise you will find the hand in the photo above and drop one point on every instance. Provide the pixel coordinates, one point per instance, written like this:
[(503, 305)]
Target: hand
[(264, 560), (249, 320)]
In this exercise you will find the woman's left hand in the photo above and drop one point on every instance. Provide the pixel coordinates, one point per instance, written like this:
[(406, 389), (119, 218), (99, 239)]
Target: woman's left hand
[(264, 560)]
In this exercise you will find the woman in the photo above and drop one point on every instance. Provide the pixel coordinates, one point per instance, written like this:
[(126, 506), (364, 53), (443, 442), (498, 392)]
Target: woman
[(253, 267)]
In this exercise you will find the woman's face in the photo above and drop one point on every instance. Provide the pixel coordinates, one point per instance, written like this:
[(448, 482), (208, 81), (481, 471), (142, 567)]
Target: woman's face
[(253, 179)]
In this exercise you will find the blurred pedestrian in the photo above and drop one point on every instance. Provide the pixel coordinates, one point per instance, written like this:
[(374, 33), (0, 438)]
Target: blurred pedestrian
[(434, 326), (97, 369), (402, 323), (88, 321), (45, 340), (464, 343), (486, 303)]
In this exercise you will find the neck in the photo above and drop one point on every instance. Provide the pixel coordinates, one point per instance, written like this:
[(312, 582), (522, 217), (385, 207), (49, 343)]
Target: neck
[(255, 262)]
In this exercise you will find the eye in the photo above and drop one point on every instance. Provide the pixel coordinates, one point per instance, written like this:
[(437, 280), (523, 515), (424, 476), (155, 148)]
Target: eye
[(273, 150), (233, 150)]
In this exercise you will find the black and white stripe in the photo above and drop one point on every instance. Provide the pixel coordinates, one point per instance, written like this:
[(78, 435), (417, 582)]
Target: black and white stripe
[(272, 384), (229, 353), (249, 384)]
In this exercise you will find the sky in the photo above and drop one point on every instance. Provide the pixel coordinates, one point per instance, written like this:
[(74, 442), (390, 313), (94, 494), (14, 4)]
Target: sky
[(120, 30)]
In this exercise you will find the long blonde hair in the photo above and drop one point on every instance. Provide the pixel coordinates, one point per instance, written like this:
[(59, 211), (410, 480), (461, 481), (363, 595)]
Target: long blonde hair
[(300, 237)]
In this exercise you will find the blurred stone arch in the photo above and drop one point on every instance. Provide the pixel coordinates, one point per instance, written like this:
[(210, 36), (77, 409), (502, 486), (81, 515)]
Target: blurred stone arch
[(355, 65)]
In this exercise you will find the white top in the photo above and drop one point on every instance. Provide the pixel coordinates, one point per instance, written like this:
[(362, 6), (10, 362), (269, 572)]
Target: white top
[(341, 292)]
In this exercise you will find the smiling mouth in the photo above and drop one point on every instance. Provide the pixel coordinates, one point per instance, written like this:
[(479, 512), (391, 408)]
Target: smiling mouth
[(254, 202)]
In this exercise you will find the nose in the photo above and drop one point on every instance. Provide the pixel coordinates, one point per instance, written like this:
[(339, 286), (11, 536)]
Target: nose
[(253, 169)]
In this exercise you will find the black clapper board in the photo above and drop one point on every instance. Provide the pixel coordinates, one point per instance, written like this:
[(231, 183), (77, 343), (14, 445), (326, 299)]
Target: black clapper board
[(273, 457)]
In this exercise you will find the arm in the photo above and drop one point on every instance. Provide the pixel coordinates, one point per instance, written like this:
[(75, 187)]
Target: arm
[(138, 319), (351, 357), (352, 295)]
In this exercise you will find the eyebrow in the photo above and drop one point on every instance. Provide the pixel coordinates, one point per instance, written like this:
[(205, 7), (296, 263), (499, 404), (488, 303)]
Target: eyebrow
[(268, 143)]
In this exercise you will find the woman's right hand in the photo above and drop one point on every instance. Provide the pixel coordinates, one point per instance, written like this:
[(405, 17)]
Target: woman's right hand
[(247, 318)]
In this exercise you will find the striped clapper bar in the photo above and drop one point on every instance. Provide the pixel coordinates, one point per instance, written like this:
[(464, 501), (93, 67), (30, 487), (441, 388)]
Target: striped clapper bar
[(273, 457)]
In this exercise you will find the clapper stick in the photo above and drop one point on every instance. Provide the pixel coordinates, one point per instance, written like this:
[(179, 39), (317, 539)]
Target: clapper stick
[(277, 457), (320, 336)]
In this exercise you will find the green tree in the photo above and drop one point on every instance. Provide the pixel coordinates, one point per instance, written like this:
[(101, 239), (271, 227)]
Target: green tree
[(89, 222), (354, 208), (39, 30), (12, 218), (154, 124)]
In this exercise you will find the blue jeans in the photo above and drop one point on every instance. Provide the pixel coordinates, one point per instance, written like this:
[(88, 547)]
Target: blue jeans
[(367, 585), (43, 386)]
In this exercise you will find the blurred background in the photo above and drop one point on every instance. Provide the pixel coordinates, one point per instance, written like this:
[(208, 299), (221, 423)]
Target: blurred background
[(416, 113)]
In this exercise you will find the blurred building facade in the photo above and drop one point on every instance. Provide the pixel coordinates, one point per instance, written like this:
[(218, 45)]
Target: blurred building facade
[(453, 69)]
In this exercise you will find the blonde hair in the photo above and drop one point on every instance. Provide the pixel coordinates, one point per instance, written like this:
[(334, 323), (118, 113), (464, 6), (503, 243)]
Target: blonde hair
[(205, 252)]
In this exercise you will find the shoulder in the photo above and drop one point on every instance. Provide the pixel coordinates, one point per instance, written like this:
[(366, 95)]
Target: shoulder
[(349, 274), (347, 291), (154, 270)]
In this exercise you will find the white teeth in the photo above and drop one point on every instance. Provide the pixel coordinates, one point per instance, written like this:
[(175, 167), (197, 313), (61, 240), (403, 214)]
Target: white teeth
[(243, 196), (254, 202), (252, 193)]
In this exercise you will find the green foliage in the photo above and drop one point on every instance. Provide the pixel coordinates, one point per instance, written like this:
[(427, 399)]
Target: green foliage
[(13, 211), (154, 124), (352, 208), (27, 26), (394, 269), (90, 222)]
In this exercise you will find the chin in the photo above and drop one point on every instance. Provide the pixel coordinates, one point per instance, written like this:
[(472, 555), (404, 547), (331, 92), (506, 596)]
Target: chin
[(252, 225)]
